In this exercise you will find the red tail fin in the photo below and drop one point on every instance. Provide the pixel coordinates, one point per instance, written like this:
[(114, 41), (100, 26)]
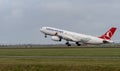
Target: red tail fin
[(109, 34)]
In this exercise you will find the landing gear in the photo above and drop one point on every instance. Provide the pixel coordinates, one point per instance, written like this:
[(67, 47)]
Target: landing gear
[(45, 36), (60, 39), (78, 44), (68, 44)]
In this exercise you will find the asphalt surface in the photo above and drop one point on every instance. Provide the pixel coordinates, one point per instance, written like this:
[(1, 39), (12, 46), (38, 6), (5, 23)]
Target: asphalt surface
[(94, 57)]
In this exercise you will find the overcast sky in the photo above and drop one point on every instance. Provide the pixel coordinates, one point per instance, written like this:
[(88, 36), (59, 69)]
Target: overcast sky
[(20, 20)]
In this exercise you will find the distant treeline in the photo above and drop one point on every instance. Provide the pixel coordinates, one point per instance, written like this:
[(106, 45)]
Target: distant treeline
[(55, 45)]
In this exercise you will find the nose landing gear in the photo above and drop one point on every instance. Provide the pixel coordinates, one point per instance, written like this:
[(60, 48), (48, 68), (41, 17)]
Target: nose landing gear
[(45, 36)]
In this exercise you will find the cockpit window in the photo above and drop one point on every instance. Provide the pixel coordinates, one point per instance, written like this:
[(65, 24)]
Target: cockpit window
[(54, 30)]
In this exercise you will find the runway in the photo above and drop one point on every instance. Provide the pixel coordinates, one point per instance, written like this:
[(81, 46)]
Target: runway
[(87, 57)]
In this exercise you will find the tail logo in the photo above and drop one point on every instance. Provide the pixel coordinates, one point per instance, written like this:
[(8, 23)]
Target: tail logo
[(108, 34)]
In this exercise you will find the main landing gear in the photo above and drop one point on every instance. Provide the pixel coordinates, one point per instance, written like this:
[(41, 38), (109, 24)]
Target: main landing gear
[(78, 44), (60, 39), (68, 44)]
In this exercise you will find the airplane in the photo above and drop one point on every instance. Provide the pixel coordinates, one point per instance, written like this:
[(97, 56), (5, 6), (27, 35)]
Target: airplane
[(58, 35)]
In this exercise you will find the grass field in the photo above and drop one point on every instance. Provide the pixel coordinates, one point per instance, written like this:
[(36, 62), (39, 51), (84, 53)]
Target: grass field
[(60, 64), (109, 52), (31, 64)]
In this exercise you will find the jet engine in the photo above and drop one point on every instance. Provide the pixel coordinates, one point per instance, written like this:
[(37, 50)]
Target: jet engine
[(56, 38)]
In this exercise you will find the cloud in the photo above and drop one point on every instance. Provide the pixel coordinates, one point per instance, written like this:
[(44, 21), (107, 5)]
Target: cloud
[(22, 19)]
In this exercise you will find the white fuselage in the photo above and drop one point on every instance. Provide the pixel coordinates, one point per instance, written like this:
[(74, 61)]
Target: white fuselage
[(72, 36)]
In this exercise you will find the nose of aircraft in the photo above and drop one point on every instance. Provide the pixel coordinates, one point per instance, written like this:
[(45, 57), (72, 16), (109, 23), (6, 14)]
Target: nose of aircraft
[(42, 29)]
